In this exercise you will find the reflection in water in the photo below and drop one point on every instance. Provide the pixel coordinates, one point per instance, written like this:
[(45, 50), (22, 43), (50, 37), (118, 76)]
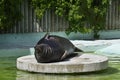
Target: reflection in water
[(104, 75), (29, 76), (32, 76)]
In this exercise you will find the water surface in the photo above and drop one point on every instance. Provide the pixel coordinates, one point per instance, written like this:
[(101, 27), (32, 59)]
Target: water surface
[(8, 71)]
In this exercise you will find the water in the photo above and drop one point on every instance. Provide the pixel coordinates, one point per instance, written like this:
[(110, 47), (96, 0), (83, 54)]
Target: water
[(8, 68), (8, 71)]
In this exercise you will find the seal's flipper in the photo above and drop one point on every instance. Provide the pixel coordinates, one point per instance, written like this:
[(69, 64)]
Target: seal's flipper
[(64, 55), (46, 36), (78, 50), (69, 56)]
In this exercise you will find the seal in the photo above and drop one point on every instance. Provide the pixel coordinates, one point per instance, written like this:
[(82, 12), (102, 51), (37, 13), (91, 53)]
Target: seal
[(52, 48)]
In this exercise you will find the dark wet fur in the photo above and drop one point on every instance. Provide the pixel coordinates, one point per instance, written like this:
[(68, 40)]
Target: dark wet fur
[(58, 45)]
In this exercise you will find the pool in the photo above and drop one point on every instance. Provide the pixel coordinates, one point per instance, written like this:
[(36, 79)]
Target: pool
[(8, 70)]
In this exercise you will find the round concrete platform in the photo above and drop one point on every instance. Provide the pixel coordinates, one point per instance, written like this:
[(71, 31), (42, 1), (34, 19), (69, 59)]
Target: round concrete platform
[(78, 64)]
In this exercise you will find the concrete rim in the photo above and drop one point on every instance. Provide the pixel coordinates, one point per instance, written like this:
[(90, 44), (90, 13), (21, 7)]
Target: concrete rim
[(78, 64)]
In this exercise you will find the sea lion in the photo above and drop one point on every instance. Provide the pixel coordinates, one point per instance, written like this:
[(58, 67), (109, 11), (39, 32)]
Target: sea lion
[(52, 48)]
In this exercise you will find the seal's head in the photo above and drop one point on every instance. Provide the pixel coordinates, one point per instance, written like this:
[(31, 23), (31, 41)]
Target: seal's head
[(42, 51)]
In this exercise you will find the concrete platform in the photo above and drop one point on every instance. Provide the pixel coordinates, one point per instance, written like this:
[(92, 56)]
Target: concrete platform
[(78, 64)]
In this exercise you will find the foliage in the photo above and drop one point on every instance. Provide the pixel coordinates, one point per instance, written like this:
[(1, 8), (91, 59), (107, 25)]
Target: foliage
[(83, 15), (9, 13)]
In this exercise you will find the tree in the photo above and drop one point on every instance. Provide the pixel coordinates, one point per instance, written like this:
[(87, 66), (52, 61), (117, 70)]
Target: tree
[(9, 13), (83, 15)]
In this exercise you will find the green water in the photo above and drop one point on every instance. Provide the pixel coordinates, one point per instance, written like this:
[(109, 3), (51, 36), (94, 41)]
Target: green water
[(8, 71), (8, 68)]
